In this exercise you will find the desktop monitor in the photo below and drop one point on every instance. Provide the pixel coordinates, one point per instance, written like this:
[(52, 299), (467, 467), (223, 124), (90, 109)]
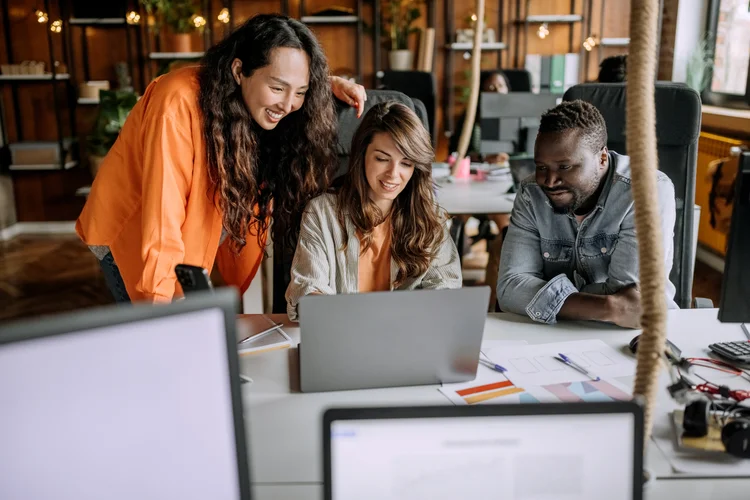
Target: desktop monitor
[(532, 451), (124, 402), (734, 306), (510, 122)]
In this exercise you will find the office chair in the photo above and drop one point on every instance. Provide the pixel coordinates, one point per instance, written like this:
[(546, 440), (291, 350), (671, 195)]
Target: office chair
[(678, 125), (347, 126), (418, 85)]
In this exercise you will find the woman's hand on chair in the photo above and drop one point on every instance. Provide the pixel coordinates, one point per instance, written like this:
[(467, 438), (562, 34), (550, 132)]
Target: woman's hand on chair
[(351, 93)]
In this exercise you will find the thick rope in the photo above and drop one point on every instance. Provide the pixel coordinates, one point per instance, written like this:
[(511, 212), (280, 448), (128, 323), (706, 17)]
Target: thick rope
[(471, 105), (641, 146)]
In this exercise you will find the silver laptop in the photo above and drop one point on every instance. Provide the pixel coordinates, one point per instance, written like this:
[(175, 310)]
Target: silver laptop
[(581, 451), (389, 339)]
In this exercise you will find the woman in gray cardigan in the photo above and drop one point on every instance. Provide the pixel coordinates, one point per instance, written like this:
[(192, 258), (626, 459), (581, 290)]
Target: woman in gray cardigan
[(381, 229)]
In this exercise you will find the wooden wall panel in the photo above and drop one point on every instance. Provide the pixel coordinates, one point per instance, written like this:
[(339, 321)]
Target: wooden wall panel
[(49, 196)]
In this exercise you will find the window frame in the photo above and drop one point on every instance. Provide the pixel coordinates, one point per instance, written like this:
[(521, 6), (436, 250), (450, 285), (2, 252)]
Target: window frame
[(721, 99)]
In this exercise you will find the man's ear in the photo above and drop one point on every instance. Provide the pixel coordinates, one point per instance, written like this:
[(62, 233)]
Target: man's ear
[(603, 157), (237, 70)]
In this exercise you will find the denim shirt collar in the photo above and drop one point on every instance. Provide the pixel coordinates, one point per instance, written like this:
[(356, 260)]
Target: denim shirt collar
[(616, 163)]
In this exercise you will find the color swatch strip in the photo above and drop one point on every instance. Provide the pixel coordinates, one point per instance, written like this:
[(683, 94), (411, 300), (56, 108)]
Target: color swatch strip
[(490, 395), (484, 388)]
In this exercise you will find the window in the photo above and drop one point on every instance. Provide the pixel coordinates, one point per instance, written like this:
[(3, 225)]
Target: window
[(729, 28)]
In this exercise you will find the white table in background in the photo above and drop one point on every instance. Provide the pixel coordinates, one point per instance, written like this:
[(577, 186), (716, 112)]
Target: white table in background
[(472, 197), (285, 427)]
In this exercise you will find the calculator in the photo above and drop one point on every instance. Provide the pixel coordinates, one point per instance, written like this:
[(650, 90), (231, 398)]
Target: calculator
[(734, 351)]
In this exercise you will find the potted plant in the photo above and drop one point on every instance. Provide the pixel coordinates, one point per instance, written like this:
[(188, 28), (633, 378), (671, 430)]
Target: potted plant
[(398, 25), (700, 64), (178, 16), (114, 107)]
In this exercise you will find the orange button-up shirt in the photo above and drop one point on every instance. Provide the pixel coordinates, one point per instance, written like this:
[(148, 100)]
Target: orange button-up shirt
[(151, 200)]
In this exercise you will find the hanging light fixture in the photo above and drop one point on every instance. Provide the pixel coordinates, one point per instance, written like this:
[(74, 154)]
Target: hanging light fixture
[(223, 15), (543, 31), (56, 26), (199, 21), (41, 16), (591, 42), (133, 17)]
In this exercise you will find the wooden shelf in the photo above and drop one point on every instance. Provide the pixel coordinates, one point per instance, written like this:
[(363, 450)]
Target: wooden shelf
[(175, 55), (329, 19), (88, 100), (561, 18), (47, 77), (48, 166), (104, 21), (614, 42), (469, 46)]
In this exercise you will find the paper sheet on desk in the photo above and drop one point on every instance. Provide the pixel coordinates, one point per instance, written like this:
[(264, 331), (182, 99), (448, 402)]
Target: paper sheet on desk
[(534, 365), (489, 386)]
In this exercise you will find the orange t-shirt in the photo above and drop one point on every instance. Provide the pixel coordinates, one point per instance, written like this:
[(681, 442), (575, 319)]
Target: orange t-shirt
[(150, 201), (375, 262)]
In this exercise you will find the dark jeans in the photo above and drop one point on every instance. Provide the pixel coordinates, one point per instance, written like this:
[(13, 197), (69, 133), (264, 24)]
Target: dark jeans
[(114, 279)]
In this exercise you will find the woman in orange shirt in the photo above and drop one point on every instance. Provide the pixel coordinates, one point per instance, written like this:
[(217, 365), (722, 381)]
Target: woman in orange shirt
[(381, 229), (206, 152)]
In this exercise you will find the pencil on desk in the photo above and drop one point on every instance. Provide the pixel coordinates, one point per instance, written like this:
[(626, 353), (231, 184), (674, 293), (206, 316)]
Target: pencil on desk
[(258, 335)]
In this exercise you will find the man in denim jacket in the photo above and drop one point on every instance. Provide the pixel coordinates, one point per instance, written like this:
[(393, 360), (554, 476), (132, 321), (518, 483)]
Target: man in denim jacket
[(571, 251)]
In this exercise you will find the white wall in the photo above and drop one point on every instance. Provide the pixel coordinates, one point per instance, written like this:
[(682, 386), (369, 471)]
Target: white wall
[(691, 24)]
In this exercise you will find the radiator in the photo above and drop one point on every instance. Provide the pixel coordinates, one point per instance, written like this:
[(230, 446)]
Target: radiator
[(711, 147)]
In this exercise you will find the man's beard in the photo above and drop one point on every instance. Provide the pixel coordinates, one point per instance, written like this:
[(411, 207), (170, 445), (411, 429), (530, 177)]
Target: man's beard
[(571, 206)]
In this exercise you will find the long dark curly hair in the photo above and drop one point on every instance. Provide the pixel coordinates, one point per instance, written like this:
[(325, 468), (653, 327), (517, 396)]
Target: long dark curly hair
[(416, 221), (251, 169)]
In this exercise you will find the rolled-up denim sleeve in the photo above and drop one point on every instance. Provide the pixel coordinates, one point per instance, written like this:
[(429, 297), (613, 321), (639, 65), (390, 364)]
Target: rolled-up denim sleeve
[(521, 287)]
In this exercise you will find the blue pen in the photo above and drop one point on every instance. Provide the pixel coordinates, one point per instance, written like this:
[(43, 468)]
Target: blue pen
[(492, 366), (564, 359)]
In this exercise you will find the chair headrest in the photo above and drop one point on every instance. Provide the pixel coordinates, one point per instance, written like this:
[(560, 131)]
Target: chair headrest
[(348, 122), (678, 110)]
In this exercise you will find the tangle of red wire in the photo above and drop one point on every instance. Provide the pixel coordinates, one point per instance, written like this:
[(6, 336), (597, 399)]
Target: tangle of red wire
[(717, 390)]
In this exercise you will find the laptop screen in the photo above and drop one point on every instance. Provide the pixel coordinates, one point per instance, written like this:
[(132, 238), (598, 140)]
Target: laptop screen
[(134, 410), (578, 456)]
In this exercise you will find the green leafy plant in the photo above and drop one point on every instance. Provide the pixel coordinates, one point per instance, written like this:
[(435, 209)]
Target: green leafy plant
[(399, 17), (700, 64), (114, 107), (177, 15), (464, 91)]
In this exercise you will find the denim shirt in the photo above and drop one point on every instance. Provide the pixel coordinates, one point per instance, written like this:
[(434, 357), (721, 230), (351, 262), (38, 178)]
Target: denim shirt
[(547, 256)]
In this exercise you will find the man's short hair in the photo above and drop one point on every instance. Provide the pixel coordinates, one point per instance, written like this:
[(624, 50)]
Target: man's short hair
[(579, 115), (613, 69)]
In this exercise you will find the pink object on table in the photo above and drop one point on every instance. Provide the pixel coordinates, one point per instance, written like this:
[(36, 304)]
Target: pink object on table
[(464, 169)]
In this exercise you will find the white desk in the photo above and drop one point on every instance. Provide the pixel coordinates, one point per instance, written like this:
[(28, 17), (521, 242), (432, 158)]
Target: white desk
[(285, 428)]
